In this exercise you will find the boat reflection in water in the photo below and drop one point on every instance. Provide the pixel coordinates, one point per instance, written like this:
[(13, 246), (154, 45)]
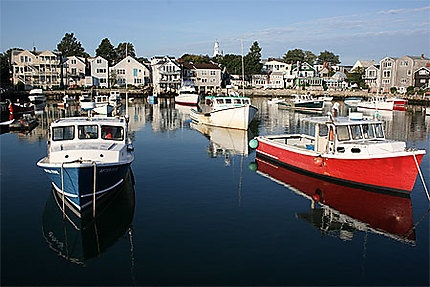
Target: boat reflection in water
[(224, 142), (342, 209), (78, 237)]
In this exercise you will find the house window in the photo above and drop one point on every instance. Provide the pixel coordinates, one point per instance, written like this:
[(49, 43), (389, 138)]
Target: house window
[(204, 73), (135, 72), (423, 72), (423, 81), (73, 62), (22, 59), (409, 72), (73, 70), (213, 73), (386, 74), (103, 80), (99, 61)]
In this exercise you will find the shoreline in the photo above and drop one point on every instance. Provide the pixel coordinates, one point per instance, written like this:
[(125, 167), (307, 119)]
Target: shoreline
[(267, 93)]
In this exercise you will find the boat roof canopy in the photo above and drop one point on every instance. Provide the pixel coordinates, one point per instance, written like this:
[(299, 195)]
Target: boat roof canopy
[(88, 120), (339, 121)]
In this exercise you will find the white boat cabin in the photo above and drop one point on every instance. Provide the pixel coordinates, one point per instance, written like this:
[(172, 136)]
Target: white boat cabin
[(341, 136), (89, 139)]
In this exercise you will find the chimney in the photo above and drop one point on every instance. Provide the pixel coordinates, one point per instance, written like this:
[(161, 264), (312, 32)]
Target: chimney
[(34, 49), (422, 56)]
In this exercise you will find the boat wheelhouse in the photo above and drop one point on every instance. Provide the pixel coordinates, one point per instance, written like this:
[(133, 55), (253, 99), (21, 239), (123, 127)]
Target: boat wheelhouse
[(351, 150), (87, 157), (225, 111)]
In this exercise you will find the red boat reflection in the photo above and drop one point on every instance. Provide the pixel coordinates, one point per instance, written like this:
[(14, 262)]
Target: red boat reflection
[(345, 209)]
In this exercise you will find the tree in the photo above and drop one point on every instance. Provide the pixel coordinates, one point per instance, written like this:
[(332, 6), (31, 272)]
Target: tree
[(188, 58), (70, 46), (292, 56), (232, 63), (328, 57), (120, 51), (5, 68), (356, 77), (310, 57), (113, 80), (252, 60), (106, 50)]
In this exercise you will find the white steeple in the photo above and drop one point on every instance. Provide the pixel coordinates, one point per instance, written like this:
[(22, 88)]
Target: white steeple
[(216, 49)]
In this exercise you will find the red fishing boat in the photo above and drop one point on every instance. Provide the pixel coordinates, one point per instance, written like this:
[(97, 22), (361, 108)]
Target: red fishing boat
[(352, 150), (340, 210)]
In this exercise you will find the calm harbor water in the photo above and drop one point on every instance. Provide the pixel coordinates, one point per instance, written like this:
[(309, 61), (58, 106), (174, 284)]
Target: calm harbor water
[(202, 211)]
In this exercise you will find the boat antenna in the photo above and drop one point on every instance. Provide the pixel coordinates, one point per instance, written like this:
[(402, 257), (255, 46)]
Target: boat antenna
[(126, 91), (243, 70)]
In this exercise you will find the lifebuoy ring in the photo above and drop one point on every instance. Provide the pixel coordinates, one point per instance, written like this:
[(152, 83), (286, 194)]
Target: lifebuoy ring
[(319, 161)]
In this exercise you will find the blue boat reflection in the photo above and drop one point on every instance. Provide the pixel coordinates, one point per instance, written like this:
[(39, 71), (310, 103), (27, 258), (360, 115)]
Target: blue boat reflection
[(78, 237), (339, 211)]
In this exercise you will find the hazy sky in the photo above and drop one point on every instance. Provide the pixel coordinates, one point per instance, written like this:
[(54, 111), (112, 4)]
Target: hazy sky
[(352, 29)]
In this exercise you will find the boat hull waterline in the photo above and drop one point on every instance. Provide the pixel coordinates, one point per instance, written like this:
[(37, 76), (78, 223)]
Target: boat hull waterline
[(394, 172)]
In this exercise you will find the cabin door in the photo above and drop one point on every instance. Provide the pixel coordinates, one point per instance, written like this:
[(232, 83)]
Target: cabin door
[(330, 146)]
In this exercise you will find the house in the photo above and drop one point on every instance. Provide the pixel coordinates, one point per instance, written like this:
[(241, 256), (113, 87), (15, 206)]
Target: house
[(205, 76), (362, 64), (129, 71), (237, 82), (371, 76), (305, 75), (336, 82), (398, 72), (36, 68), (98, 72), (271, 80), (166, 74), (74, 71), (422, 78)]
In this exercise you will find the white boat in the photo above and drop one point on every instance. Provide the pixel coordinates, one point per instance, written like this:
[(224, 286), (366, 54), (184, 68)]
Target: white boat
[(37, 96), (102, 105), (303, 103), (86, 102), (376, 103), (115, 99), (87, 157), (427, 111), (352, 101), (274, 101), (225, 111), (187, 95)]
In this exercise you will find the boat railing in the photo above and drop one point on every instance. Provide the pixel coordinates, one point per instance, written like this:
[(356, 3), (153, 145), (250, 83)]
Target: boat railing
[(296, 140)]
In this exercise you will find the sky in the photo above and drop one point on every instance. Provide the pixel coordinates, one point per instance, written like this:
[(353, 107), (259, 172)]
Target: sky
[(353, 29)]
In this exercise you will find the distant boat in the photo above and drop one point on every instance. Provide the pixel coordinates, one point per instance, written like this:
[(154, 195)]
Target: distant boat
[(25, 123), (66, 101), (36, 96), (103, 107), (87, 157), (352, 101), (115, 99), (225, 111), (18, 109), (302, 103), (187, 95), (376, 103), (86, 102), (427, 111), (349, 150)]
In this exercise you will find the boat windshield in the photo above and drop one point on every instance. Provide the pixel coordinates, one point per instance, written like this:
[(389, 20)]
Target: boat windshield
[(379, 131), (356, 132), (88, 132), (342, 133), (63, 133), (368, 131), (112, 133)]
